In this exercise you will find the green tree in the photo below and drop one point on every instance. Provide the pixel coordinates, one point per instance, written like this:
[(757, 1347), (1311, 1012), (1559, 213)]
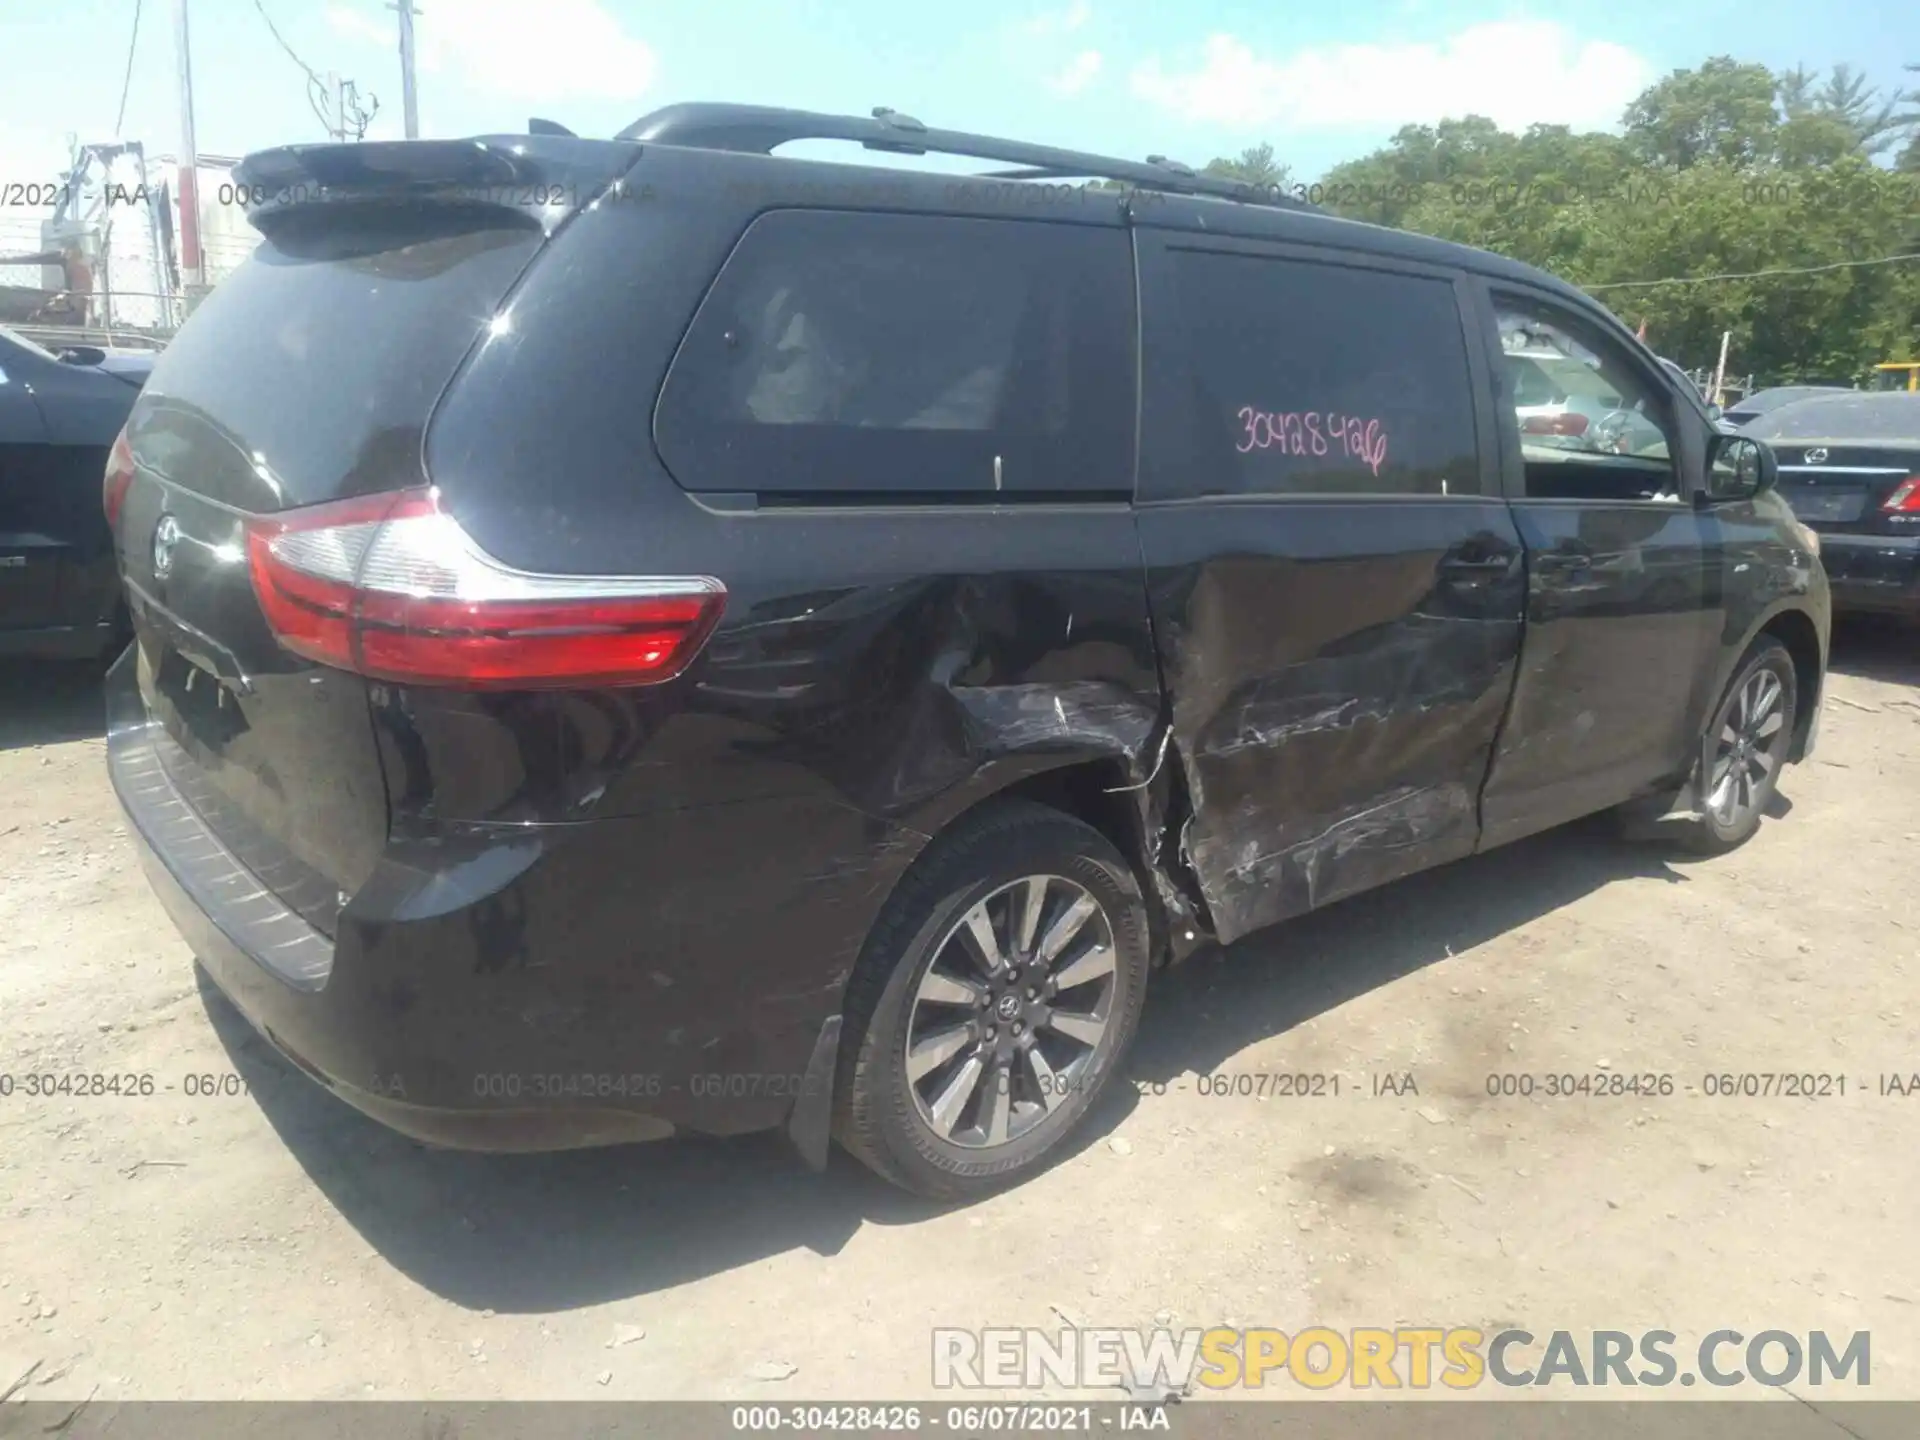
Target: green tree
[(1843, 116), (1908, 120), (1722, 111), (1255, 165), (1727, 169)]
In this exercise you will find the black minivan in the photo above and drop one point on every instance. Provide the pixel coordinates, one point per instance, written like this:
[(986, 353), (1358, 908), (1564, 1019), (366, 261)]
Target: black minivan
[(649, 635)]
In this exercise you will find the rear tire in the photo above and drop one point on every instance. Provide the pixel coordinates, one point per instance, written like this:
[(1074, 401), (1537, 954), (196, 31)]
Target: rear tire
[(1743, 750), (957, 1075)]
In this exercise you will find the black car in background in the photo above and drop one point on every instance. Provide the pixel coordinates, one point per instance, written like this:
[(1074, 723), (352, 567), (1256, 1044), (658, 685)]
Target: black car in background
[(651, 635), (1850, 468), (59, 414)]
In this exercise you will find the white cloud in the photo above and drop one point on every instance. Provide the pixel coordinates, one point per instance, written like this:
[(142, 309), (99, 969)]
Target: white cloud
[(1058, 22), (535, 50), (1076, 74), (1516, 72)]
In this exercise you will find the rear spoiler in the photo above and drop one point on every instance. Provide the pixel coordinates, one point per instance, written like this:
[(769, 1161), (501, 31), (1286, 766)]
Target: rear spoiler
[(545, 176)]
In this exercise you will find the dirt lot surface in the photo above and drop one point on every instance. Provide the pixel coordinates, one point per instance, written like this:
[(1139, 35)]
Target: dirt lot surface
[(275, 1244)]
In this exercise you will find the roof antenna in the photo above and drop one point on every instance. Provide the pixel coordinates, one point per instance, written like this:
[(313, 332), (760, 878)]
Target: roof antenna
[(537, 126)]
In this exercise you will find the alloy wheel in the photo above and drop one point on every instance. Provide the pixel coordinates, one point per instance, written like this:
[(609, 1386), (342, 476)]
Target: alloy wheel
[(1011, 1011), (1748, 747)]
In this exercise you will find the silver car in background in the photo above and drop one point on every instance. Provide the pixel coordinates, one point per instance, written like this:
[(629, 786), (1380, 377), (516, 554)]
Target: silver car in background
[(1565, 403)]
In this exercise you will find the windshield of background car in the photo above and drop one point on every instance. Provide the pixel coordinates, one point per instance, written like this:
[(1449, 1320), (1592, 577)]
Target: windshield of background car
[(1554, 379)]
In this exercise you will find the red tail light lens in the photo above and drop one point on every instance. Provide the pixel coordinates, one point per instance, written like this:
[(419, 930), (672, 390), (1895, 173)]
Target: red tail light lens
[(119, 478), (1905, 498), (391, 587), (1567, 422)]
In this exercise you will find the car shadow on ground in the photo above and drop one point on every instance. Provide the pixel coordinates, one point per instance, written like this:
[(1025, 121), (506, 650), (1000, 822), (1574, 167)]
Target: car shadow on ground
[(538, 1233), (1203, 1013), (45, 702), (1874, 648)]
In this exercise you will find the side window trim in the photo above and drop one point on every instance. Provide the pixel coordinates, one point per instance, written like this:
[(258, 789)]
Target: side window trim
[(1506, 447), (1487, 292), (1155, 250)]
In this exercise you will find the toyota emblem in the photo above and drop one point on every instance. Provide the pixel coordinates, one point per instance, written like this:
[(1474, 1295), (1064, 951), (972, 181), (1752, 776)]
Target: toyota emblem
[(1817, 455), (166, 535)]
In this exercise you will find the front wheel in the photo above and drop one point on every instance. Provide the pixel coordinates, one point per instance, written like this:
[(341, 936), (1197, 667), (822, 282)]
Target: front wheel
[(992, 1003), (1744, 748)]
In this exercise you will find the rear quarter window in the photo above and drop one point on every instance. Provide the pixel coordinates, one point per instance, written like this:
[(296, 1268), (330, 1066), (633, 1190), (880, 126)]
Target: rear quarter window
[(842, 352)]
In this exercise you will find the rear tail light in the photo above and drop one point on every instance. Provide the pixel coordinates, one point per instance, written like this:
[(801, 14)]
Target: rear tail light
[(391, 587), (119, 477), (1567, 422), (1905, 498)]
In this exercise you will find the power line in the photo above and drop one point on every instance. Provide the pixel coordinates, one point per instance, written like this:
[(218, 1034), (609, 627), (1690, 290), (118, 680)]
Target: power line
[(319, 92), (284, 45), (1752, 274), (126, 85)]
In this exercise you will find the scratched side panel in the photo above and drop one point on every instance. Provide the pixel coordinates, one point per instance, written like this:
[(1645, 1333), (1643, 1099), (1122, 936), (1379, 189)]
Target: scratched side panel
[(1335, 694)]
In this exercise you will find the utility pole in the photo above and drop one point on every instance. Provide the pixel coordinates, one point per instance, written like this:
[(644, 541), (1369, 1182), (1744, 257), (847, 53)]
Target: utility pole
[(1720, 370), (409, 97), (192, 265)]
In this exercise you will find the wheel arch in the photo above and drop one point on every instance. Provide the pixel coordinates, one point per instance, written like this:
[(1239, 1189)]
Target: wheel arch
[(1795, 629), (1137, 806), (1794, 626)]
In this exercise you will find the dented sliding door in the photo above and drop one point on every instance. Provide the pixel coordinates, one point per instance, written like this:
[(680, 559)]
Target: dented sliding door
[(1335, 582)]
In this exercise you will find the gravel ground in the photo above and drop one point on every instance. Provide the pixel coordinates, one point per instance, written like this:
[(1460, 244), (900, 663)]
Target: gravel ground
[(274, 1244)]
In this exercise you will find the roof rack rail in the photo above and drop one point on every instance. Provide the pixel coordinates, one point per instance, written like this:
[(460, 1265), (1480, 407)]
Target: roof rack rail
[(759, 129)]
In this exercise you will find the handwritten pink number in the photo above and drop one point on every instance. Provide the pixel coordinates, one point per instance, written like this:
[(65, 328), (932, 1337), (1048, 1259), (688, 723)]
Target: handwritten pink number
[(1300, 433), (1376, 445)]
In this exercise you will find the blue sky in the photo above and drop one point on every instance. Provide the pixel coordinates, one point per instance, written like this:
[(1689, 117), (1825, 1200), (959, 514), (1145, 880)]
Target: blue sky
[(1323, 81)]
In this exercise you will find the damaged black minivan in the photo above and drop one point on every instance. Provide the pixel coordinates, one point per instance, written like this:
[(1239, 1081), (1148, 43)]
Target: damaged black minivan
[(649, 635)]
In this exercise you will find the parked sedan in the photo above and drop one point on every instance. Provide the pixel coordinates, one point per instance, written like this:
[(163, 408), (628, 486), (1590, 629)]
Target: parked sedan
[(59, 593), (1850, 468)]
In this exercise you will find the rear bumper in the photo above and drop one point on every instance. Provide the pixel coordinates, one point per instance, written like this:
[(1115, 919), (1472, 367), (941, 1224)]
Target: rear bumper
[(274, 967), (1873, 572), (513, 987)]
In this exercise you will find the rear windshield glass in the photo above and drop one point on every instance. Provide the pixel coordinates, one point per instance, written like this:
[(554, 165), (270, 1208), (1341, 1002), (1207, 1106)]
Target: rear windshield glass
[(1844, 417), (321, 357)]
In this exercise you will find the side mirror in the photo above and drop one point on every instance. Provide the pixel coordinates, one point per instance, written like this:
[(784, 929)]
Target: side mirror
[(1714, 413), (1740, 467)]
